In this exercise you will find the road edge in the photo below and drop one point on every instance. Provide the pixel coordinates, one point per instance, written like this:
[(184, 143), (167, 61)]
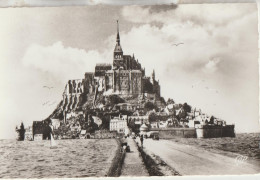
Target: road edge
[(155, 165), (117, 162)]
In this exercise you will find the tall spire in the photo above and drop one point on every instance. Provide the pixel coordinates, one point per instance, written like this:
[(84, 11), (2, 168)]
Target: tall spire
[(153, 75), (118, 37), (118, 47)]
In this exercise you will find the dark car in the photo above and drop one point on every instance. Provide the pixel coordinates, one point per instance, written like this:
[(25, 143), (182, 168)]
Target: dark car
[(156, 137), (127, 149)]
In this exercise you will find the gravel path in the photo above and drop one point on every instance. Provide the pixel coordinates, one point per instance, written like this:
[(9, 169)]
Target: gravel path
[(133, 164)]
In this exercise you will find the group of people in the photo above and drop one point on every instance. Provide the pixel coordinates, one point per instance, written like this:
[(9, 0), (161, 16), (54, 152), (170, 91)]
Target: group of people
[(124, 140)]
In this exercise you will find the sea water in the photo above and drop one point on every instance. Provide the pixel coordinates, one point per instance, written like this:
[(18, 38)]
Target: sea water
[(71, 158)]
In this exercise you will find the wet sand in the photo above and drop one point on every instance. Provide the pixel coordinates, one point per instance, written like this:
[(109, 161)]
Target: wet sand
[(246, 144), (72, 158)]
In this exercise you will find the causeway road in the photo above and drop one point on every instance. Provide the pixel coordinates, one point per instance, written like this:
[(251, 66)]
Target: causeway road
[(133, 163), (190, 160)]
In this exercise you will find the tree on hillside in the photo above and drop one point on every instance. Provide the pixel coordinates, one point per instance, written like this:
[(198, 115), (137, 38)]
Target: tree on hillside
[(80, 118), (131, 125), (91, 126), (211, 121), (181, 115), (186, 107), (149, 106), (162, 100), (134, 127), (115, 99), (125, 112), (152, 117), (101, 99), (170, 101), (105, 121)]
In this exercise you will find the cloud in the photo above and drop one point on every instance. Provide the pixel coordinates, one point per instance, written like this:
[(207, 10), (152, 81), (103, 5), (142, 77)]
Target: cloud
[(199, 14), (41, 66), (212, 65), (61, 63), (220, 46), (205, 32)]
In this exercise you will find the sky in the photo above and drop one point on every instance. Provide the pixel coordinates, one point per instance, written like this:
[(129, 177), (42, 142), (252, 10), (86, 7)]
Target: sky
[(215, 69)]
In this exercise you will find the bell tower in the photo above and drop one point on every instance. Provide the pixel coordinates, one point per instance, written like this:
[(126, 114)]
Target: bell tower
[(118, 52)]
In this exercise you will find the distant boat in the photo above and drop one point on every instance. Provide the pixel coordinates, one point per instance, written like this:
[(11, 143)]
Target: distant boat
[(53, 143)]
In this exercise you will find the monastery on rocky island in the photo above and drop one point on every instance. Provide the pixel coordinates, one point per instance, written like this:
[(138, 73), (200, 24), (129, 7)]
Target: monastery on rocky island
[(124, 77)]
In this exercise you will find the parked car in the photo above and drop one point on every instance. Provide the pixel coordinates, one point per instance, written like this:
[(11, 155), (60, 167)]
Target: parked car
[(152, 133), (127, 148), (156, 137)]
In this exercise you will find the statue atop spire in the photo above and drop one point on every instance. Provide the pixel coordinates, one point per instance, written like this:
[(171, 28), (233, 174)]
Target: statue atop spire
[(153, 75), (118, 37)]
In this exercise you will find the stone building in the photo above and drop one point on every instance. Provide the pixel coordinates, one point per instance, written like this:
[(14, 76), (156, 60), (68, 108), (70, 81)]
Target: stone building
[(125, 76), (126, 106), (28, 136), (118, 124), (40, 129), (139, 119)]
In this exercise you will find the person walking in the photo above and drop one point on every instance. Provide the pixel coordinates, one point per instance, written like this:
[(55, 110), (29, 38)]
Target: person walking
[(51, 129), (142, 140)]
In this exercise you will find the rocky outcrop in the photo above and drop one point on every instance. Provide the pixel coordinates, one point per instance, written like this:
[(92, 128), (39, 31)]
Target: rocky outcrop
[(71, 96)]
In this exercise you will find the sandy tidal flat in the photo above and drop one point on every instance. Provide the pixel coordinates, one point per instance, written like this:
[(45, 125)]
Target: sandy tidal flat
[(72, 158), (246, 144)]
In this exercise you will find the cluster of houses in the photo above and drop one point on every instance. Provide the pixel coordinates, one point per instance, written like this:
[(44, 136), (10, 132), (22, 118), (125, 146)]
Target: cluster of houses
[(196, 118), (166, 118), (170, 116)]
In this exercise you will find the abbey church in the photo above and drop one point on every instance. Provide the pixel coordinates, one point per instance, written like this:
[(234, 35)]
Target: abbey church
[(125, 76)]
